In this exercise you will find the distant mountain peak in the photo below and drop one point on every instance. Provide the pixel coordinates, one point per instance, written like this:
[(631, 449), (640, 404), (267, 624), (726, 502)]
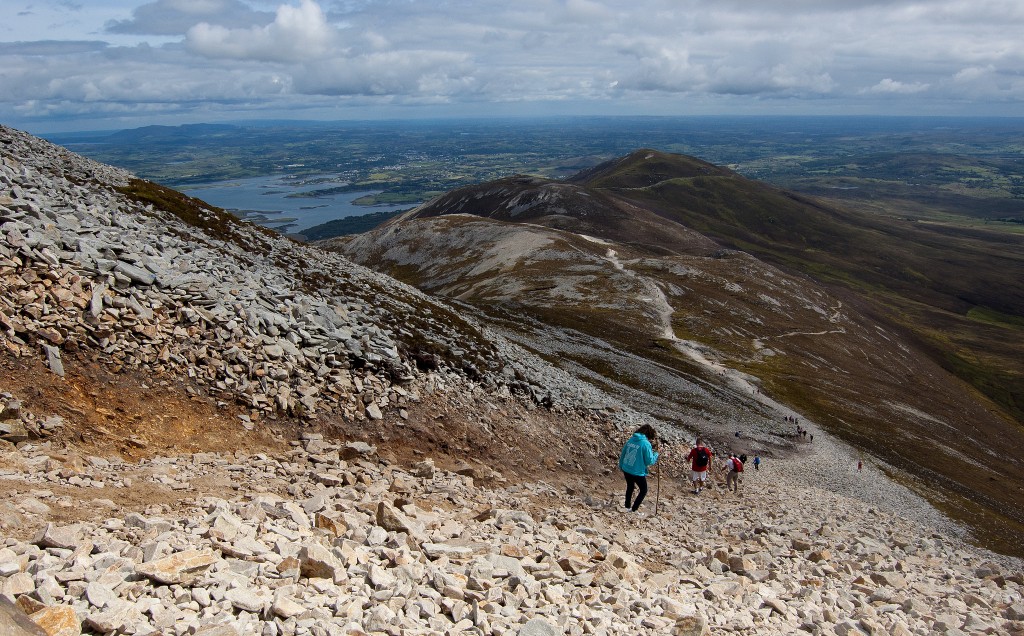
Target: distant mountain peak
[(646, 167)]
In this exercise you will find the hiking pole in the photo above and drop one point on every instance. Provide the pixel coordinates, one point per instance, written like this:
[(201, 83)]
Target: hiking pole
[(657, 489)]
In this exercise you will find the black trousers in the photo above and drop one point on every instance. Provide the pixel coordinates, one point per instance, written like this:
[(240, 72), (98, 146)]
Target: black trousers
[(640, 483)]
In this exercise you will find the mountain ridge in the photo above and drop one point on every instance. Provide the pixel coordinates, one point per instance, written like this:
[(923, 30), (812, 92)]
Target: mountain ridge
[(803, 329)]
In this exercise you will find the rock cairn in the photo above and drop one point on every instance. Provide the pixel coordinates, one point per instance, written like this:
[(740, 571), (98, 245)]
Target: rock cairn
[(246, 315), (329, 539)]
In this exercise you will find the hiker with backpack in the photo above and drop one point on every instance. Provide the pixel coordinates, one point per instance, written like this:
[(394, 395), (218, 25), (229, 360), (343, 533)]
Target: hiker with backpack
[(637, 454), (734, 466), (700, 460)]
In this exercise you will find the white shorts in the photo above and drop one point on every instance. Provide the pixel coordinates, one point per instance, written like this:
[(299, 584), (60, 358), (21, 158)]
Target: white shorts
[(698, 476)]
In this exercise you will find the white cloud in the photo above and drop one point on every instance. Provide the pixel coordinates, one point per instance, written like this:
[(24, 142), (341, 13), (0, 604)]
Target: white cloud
[(658, 65), (422, 73), (120, 77), (297, 34), (883, 55), (974, 73), (894, 87)]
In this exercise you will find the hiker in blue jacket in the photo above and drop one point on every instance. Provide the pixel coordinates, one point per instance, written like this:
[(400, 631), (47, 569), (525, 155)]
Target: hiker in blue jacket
[(637, 454)]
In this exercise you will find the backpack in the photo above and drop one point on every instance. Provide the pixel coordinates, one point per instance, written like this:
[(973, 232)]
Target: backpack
[(700, 460), (737, 465)]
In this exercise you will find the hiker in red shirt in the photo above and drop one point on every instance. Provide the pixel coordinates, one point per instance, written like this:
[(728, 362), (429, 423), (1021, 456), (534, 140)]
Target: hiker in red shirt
[(700, 459)]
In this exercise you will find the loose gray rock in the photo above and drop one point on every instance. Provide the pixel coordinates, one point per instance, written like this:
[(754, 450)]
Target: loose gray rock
[(53, 360), (64, 537), (537, 627)]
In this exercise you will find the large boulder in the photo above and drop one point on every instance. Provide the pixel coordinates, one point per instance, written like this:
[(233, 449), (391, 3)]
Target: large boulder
[(178, 569)]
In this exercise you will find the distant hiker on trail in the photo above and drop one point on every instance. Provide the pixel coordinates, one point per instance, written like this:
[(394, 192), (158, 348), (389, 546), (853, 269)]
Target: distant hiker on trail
[(734, 467), (860, 465), (637, 454), (700, 459), (757, 462)]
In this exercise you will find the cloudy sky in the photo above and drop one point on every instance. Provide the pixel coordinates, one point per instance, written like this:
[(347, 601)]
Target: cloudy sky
[(98, 64)]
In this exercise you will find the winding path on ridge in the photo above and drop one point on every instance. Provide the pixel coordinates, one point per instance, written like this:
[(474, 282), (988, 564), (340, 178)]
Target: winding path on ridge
[(826, 462), (655, 297)]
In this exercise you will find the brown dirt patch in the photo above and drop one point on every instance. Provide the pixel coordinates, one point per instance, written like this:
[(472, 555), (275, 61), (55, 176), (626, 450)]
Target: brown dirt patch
[(129, 414)]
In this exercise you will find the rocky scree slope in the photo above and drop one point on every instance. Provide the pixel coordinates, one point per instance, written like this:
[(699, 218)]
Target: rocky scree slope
[(333, 539), (99, 267)]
